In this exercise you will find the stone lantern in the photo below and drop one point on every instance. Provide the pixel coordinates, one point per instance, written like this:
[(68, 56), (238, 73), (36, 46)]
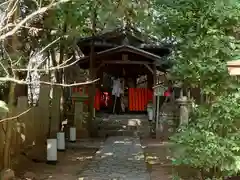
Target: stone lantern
[(184, 109), (79, 99)]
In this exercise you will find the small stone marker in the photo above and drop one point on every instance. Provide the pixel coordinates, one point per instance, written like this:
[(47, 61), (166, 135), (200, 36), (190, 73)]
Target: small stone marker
[(7, 174)]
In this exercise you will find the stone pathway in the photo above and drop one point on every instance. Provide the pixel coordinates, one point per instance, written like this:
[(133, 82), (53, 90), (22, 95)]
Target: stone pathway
[(120, 158)]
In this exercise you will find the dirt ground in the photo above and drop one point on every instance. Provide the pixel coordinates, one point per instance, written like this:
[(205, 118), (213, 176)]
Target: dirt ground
[(156, 155), (73, 161), (70, 163), (78, 155)]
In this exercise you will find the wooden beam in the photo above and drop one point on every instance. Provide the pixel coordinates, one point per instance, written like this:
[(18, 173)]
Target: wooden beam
[(149, 68), (99, 67), (234, 65), (125, 57), (126, 62)]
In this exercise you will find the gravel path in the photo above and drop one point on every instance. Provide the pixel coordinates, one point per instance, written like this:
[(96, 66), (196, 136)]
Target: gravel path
[(120, 158)]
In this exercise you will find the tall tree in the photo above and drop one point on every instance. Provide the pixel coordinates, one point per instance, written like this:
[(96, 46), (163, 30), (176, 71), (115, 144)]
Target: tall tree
[(206, 38)]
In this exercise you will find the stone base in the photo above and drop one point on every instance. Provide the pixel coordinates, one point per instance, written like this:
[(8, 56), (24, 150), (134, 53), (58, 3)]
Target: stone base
[(82, 133), (158, 134), (37, 153), (61, 150), (52, 162), (72, 141)]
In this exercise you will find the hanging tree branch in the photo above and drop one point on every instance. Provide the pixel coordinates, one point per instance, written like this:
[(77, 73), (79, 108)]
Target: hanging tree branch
[(15, 117), (8, 79), (29, 17)]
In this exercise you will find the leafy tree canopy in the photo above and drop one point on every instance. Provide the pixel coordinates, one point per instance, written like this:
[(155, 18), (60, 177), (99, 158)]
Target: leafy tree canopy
[(206, 32)]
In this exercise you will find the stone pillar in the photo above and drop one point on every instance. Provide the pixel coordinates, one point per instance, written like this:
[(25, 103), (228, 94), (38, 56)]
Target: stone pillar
[(42, 118), (55, 111), (25, 125), (78, 114), (184, 111)]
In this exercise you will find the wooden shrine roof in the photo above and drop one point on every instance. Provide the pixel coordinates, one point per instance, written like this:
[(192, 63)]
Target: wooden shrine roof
[(110, 47), (234, 67), (125, 49), (135, 56), (123, 36), (114, 34)]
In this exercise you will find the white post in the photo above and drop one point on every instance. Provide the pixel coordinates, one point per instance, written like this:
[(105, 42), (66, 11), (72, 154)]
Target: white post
[(51, 151), (159, 92), (72, 136), (61, 141), (157, 116), (94, 112), (150, 113)]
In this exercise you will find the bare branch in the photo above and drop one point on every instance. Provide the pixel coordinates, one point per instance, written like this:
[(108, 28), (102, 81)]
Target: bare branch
[(9, 25), (4, 3), (70, 85), (29, 17), (15, 117), (42, 50), (19, 59), (11, 11), (8, 79), (5, 70), (60, 66)]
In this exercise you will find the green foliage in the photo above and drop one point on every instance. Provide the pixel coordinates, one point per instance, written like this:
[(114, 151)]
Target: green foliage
[(206, 39), (211, 141), (77, 16), (206, 31)]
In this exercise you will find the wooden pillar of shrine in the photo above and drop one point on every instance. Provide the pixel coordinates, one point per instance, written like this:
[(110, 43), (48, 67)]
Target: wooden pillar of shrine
[(92, 65), (99, 73), (149, 80), (154, 84)]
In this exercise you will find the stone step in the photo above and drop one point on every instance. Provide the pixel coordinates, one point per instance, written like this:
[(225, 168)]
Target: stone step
[(123, 132), (119, 125), (119, 158), (130, 122), (131, 128), (128, 116), (126, 127), (120, 132)]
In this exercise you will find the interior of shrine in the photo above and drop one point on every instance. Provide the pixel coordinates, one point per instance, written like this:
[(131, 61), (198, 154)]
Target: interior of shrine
[(128, 54)]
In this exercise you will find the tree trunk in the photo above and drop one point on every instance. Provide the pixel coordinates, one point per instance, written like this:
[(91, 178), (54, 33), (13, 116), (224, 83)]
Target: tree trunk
[(13, 42), (92, 75), (61, 73), (9, 127)]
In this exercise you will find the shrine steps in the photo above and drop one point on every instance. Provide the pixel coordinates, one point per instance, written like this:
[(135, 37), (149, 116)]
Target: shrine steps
[(123, 125)]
